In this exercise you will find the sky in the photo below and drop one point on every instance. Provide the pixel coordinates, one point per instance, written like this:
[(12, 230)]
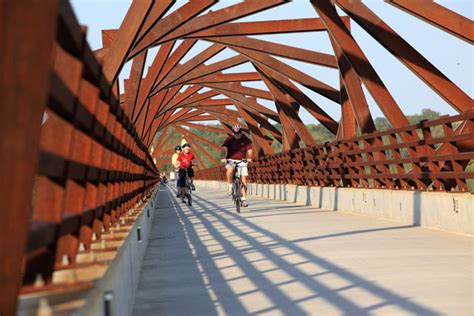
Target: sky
[(452, 56)]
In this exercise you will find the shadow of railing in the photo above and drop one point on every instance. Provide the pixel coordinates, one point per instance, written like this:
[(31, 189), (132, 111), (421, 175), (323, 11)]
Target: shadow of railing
[(219, 234)]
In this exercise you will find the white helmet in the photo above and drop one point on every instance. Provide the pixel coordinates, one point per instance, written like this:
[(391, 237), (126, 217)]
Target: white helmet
[(236, 128)]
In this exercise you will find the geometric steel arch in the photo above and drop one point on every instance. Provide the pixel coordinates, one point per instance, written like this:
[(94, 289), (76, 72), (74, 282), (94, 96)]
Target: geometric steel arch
[(171, 92)]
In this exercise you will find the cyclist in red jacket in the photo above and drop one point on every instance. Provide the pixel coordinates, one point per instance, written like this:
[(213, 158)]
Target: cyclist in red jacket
[(185, 164)]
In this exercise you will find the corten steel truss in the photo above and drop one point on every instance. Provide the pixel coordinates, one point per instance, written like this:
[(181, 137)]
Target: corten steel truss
[(91, 163), (86, 165)]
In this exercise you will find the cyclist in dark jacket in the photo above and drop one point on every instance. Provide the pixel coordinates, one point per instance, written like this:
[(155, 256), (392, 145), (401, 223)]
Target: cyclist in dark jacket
[(236, 148)]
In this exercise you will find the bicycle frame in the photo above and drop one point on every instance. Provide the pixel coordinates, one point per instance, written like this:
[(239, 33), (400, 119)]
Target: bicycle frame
[(188, 193), (237, 184)]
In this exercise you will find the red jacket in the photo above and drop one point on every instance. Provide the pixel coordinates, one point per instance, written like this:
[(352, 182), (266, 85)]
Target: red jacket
[(185, 160)]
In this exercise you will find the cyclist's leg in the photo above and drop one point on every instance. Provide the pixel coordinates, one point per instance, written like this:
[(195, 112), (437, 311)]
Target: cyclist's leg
[(182, 182), (176, 176), (191, 177), (244, 186), (230, 177)]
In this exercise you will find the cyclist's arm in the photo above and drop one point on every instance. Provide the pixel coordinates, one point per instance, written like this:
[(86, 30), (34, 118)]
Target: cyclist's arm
[(223, 154), (177, 163), (249, 154)]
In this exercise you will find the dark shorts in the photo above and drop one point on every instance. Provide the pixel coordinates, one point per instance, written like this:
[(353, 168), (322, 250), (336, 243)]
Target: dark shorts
[(182, 178)]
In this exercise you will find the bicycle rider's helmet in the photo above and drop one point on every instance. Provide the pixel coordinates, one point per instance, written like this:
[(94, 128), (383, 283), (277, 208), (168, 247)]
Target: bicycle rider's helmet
[(236, 128), (186, 145), (177, 147)]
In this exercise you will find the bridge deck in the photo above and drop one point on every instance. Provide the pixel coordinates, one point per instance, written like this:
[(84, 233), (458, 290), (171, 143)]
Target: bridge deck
[(280, 258)]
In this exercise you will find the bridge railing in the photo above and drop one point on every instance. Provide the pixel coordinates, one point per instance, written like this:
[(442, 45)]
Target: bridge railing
[(92, 171), (429, 155), (92, 165)]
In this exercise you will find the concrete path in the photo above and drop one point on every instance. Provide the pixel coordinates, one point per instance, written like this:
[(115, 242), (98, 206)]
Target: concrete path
[(277, 258)]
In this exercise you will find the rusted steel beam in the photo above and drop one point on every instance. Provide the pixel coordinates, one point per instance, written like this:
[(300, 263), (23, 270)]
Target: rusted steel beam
[(157, 11), (118, 52), (284, 104), (136, 75), (290, 138), (264, 124), (195, 136), (223, 111), (276, 49), (23, 91), (188, 97), (290, 72), (153, 72), (108, 37), (204, 70), (182, 69), (172, 61), (225, 120), (191, 91), (157, 125), (255, 132), (439, 16), (220, 77), (197, 118), (238, 88), (354, 55), (210, 102), (140, 121), (409, 56), (262, 27), (348, 122), (285, 84), (183, 114), (170, 23), (353, 90), (163, 96), (189, 102), (164, 142), (161, 141), (205, 127), (250, 103), (170, 94), (213, 160), (153, 106), (221, 16)]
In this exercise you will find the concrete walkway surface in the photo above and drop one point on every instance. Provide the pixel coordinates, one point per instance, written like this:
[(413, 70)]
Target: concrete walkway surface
[(279, 258)]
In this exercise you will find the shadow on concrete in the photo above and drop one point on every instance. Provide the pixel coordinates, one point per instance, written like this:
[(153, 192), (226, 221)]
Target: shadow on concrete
[(355, 232), (417, 208), (308, 211), (214, 234), (163, 281)]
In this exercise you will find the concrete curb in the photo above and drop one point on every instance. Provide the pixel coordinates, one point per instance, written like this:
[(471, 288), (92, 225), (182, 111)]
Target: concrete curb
[(451, 212), (121, 278)]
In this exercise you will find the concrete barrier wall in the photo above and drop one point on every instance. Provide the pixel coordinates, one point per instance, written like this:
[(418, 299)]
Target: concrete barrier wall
[(121, 278), (453, 212)]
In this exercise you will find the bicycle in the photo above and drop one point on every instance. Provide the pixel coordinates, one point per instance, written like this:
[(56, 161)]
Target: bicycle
[(237, 183), (188, 193)]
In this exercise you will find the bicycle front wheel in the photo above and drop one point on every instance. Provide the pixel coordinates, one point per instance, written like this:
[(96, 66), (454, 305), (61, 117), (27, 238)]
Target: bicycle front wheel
[(190, 200), (237, 193)]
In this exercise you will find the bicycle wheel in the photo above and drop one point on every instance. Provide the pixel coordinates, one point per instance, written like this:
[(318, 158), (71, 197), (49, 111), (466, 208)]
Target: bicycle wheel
[(190, 200), (237, 195)]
